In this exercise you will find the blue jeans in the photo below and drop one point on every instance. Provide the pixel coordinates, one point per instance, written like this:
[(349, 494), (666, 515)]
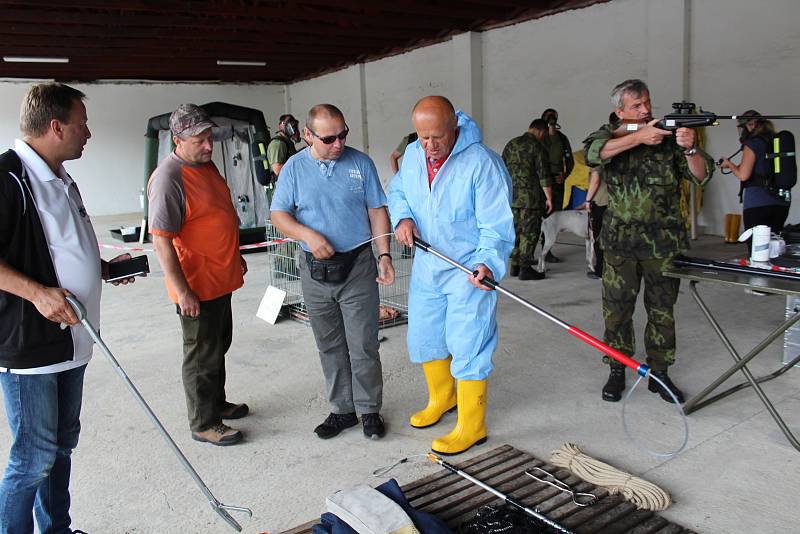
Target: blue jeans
[(43, 414)]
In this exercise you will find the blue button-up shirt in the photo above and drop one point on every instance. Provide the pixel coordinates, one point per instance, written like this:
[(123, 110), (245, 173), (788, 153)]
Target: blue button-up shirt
[(331, 197)]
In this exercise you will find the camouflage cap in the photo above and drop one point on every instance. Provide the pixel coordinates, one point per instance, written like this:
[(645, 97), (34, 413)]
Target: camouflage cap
[(189, 119)]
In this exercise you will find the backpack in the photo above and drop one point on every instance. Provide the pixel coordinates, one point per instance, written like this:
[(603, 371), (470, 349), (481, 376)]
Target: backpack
[(781, 168), (782, 171)]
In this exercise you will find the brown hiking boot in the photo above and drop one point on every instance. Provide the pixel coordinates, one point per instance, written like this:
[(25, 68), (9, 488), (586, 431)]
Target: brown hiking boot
[(219, 434)]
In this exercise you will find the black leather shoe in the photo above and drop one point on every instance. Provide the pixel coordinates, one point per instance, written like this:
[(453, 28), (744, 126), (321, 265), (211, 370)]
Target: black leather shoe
[(612, 391), (514, 271), (655, 387), (373, 425), (529, 273), (550, 258), (335, 423)]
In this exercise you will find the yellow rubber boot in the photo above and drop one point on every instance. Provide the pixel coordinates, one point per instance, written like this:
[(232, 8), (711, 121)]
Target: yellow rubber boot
[(441, 393), (471, 427)]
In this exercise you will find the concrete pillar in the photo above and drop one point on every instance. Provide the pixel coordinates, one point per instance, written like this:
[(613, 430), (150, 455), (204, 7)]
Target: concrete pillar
[(362, 79), (468, 74), (668, 48)]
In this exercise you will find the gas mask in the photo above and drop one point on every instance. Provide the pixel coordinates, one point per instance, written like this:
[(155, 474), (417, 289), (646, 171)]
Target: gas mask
[(291, 127)]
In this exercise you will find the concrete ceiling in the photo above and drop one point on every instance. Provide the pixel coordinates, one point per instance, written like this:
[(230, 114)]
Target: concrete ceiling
[(184, 40)]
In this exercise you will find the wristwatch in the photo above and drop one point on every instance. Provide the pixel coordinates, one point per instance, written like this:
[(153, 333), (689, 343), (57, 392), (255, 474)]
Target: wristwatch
[(690, 152), (384, 254)]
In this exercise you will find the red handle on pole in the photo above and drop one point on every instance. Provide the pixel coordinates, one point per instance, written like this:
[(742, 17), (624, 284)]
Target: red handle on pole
[(624, 359)]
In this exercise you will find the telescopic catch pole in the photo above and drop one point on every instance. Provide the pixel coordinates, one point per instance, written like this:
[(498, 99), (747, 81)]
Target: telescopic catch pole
[(221, 509), (510, 500), (624, 359)]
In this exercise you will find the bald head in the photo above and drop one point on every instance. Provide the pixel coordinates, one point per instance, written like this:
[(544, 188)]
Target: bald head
[(436, 106), (435, 121)]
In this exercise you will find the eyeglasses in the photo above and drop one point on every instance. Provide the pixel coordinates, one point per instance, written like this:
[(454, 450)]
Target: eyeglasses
[(329, 139)]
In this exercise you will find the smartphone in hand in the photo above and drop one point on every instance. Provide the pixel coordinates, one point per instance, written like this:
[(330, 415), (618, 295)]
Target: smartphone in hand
[(120, 270)]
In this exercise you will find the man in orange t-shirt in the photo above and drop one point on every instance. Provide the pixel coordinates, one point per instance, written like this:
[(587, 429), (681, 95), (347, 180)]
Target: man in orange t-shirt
[(196, 236)]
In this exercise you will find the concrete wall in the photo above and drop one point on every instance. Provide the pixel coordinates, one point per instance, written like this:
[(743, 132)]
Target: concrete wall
[(744, 55), (726, 55), (110, 173)]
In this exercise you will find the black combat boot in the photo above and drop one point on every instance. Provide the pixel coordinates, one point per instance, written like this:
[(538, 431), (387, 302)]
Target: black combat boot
[(551, 258), (612, 391), (655, 387), (529, 273), (514, 270)]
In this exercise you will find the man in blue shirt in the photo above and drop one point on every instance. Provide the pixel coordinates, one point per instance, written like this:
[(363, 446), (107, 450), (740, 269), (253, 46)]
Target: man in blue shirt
[(329, 198)]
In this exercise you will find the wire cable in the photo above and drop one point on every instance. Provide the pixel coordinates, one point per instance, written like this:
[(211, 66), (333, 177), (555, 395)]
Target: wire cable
[(659, 454)]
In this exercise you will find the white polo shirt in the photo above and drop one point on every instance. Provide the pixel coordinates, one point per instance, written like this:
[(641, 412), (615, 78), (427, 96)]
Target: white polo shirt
[(73, 248)]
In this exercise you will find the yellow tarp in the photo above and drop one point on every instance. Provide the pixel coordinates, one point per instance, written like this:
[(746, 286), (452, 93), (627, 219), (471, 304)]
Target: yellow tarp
[(579, 177)]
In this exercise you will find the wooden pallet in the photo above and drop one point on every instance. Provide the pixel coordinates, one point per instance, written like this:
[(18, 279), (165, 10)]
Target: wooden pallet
[(456, 500)]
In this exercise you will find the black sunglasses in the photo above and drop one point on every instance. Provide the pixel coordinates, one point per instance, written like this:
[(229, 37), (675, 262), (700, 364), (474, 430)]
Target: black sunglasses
[(329, 139)]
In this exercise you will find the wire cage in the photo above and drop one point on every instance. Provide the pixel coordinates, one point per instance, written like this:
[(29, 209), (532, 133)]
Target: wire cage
[(282, 273)]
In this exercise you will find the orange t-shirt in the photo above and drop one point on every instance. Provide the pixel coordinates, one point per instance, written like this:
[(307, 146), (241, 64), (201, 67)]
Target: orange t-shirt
[(192, 205)]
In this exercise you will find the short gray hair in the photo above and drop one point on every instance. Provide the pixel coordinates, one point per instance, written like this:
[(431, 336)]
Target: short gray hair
[(633, 87), (323, 110), (44, 102)]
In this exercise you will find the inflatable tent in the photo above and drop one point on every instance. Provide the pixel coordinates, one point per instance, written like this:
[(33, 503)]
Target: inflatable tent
[(240, 149)]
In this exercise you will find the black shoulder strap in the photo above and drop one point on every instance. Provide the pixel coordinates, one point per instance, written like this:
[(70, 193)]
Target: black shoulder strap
[(12, 170), (10, 162)]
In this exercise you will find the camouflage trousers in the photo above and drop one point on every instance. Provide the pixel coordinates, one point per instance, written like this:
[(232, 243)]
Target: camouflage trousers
[(528, 226), (622, 277)]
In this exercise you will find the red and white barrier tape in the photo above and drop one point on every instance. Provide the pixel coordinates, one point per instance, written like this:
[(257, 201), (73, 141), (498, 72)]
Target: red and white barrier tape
[(242, 247)]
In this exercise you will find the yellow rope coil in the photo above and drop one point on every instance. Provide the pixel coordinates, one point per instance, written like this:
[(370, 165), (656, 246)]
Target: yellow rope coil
[(644, 495)]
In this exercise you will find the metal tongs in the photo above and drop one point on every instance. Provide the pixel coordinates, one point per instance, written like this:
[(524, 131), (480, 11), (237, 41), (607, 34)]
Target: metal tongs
[(578, 498)]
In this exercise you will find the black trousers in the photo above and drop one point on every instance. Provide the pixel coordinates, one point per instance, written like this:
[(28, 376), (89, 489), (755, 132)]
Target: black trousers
[(772, 216)]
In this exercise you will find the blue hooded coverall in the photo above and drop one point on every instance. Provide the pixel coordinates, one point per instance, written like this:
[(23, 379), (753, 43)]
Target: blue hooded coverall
[(466, 215)]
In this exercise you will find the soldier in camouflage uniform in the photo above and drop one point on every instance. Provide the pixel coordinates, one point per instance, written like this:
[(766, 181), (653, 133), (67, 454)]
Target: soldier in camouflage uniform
[(559, 154), (526, 160), (642, 228)]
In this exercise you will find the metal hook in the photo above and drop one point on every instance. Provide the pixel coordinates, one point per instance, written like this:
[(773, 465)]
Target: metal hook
[(578, 498)]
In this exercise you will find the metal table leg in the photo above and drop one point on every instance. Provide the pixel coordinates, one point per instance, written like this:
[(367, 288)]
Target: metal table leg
[(695, 403)]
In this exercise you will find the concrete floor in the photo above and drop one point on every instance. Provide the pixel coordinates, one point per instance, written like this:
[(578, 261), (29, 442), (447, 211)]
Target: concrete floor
[(738, 474)]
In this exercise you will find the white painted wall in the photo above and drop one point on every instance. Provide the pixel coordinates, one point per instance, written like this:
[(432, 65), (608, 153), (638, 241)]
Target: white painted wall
[(393, 87), (744, 55), (342, 89), (726, 55), (111, 171)]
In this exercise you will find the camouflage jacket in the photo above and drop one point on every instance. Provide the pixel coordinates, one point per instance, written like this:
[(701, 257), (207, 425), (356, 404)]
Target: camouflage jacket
[(527, 163), (643, 218)]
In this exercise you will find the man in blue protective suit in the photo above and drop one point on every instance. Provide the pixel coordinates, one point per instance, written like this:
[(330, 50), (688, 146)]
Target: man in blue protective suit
[(455, 193)]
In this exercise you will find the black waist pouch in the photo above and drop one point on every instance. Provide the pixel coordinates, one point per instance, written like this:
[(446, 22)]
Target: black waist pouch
[(335, 269)]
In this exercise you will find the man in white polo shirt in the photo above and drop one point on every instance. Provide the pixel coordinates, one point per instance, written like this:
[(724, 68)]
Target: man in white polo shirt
[(48, 250)]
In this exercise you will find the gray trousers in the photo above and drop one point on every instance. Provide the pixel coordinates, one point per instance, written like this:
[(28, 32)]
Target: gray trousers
[(344, 319)]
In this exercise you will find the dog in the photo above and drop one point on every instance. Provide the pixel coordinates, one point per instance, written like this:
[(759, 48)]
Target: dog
[(573, 221)]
